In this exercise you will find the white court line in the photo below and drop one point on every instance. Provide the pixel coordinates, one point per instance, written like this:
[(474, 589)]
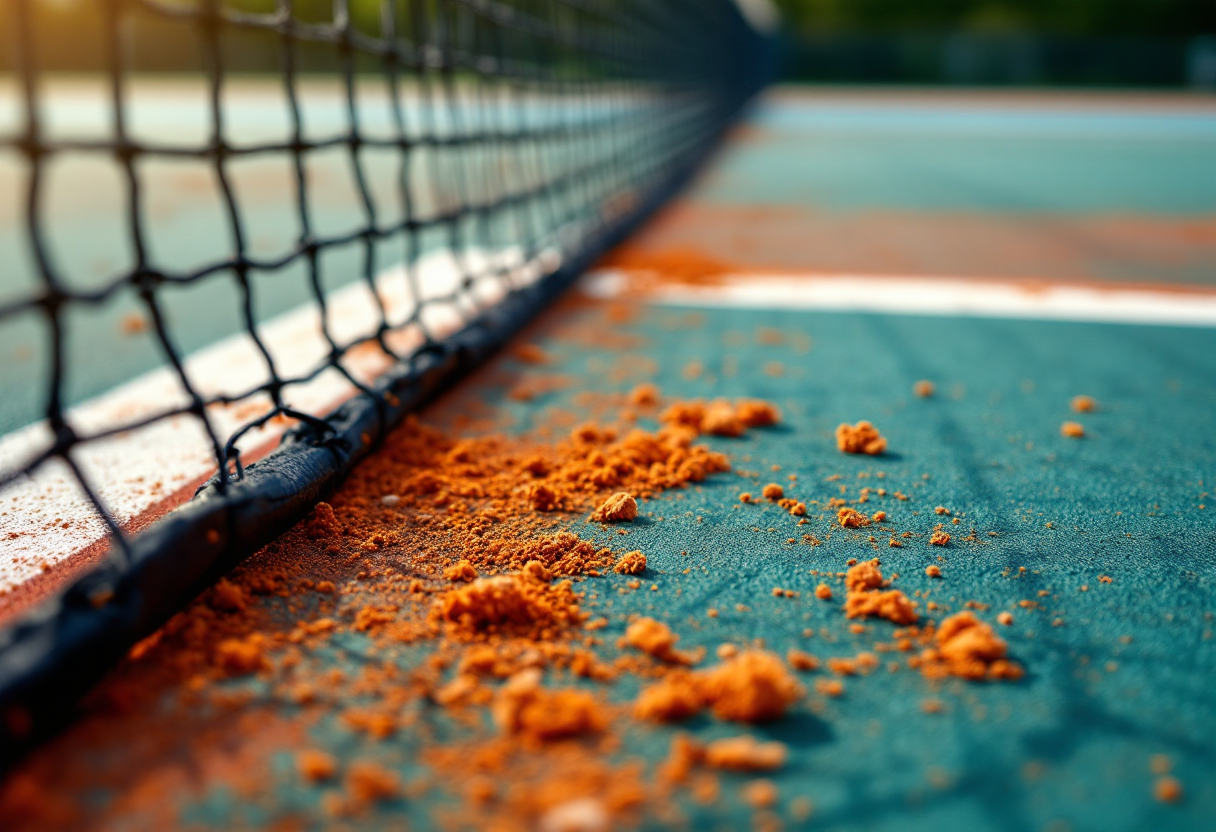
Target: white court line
[(45, 519), (911, 295)]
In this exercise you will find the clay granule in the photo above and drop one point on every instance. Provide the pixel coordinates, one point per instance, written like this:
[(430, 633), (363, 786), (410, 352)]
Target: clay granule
[(866, 596), (657, 639), (862, 438), (760, 794), (1084, 404), (631, 563), (1072, 430), (1167, 790), (801, 660), (773, 491), (525, 708), (745, 753), (315, 766), (619, 507), (968, 648), (851, 518), (752, 687), (923, 389)]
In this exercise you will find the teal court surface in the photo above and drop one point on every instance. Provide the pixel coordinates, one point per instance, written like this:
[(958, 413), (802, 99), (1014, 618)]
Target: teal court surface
[(1102, 549)]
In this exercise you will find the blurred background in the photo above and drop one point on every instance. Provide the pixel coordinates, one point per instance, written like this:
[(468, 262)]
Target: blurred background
[(1138, 43), (1154, 43)]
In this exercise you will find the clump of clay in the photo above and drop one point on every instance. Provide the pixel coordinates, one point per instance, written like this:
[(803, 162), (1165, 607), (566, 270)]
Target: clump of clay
[(851, 518), (657, 639), (862, 438), (867, 596), (966, 647), (720, 420), (745, 753), (620, 507), (754, 686), (923, 389), (1084, 404), (644, 395), (773, 491), (508, 603), (1072, 430), (522, 707), (754, 413), (631, 563)]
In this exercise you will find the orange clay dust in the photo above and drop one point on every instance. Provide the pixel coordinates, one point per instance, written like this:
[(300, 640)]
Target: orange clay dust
[(451, 570)]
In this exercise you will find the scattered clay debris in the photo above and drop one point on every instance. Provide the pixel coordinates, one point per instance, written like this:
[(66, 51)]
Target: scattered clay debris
[(924, 389), (1072, 430), (617, 508), (469, 561), (862, 438), (752, 687)]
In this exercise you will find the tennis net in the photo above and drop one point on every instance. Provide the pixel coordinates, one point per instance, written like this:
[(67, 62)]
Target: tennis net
[(442, 170)]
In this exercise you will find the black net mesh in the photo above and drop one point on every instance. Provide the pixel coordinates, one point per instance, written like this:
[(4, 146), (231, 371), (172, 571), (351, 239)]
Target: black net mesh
[(444, 167)]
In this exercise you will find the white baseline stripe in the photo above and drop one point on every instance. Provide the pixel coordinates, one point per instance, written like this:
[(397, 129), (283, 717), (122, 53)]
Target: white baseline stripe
[(944, 297)]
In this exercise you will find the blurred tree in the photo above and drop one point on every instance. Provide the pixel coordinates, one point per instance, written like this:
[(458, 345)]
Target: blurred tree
[(1179, 18)]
